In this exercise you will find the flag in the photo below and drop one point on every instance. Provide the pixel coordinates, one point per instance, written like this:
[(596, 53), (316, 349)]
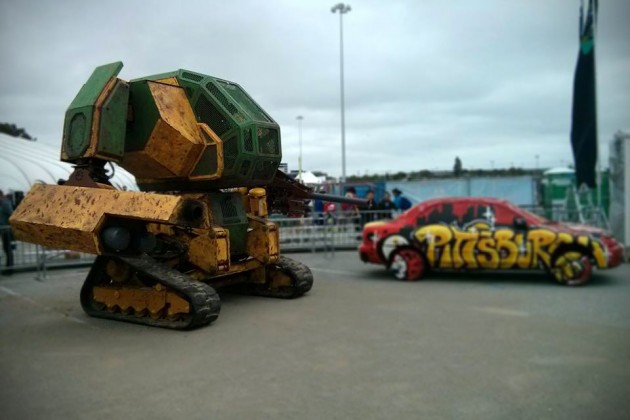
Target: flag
[(584, 116)]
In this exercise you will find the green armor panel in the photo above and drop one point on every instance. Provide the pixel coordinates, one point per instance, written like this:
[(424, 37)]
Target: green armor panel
[(228, 212), (251, 138), (111, 138), (77, 132), (145, 115)]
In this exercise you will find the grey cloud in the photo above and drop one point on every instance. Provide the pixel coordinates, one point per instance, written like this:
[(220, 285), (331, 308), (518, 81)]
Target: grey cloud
[(425, 81)]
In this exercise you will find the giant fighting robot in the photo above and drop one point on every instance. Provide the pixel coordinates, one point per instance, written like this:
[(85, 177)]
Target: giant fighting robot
[(206, 157)]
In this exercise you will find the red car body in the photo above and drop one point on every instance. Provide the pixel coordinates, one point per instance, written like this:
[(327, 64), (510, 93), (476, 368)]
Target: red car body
[(486, 233)]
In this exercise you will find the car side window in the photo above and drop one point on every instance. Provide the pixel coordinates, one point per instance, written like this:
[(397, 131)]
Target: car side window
[(479, 215), (441, 213), (504, 215)]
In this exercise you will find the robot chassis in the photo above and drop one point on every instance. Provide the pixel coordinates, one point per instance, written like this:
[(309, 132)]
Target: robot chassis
[(206, 157)]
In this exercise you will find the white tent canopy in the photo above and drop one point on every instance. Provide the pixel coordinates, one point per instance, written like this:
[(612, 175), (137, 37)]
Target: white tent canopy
[(558, 171), (309, 178), (24, 163)]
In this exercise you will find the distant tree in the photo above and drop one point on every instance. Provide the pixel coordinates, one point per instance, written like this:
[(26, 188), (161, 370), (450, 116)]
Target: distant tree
[(13, 130), (399, 175), (621, 135), (457, 168)]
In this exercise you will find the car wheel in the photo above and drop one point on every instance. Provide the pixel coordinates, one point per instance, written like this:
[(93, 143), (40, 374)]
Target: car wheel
[(407, 264), (572, 268)]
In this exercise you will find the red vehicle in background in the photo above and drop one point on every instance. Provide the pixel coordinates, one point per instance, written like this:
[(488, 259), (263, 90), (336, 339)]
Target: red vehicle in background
[(486, 233)]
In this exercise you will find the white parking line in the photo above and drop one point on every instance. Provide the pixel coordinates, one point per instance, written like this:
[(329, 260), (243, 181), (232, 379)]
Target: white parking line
[(502, 311), (340, 272)]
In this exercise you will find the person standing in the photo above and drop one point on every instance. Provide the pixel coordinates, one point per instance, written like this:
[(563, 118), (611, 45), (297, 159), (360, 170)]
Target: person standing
[(318, 209), (6, 209), (350, 212), (387, 206), (347, 207), (401, 202), (367, 209)]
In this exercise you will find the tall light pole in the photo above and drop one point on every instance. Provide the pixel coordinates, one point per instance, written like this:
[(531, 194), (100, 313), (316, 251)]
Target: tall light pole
[(342, 9), (299, 119)]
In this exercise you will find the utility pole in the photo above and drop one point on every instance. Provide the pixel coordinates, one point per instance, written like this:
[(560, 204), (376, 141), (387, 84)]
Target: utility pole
[(342, 9), (299, 120)]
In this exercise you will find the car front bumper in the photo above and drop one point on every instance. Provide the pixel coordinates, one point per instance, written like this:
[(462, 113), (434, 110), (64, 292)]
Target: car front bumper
[(368, 253)]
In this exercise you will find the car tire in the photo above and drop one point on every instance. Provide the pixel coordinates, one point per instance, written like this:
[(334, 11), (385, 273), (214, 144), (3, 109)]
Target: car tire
[(407, 264), (572, 268)]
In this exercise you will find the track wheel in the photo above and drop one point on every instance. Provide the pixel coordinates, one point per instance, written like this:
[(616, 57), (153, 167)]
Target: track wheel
[(572, 268), (407, 264), (287, 279)]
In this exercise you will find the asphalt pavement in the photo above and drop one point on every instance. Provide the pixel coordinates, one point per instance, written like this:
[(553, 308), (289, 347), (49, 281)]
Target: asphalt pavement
[(359, 345)]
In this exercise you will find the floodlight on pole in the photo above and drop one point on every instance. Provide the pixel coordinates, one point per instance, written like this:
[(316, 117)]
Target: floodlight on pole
[(299, 119), (342, 9)]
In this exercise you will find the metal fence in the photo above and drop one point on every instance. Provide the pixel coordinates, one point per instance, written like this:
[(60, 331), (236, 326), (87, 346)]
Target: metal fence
[(27, 256), (588, 215), (324, 232), (317, 233)]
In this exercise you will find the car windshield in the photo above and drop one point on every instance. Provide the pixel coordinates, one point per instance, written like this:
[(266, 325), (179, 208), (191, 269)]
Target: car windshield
[(410, 213)]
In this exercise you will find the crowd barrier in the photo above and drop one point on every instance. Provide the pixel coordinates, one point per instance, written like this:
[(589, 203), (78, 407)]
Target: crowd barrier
[(27, 256), (316, 233)]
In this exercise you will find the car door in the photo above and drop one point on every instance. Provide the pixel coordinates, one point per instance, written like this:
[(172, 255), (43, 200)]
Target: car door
[(511, 236), (444, 236)]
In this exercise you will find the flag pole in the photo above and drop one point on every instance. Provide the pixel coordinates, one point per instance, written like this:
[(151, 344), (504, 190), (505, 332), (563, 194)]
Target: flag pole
[(584, 127), (599, 163)]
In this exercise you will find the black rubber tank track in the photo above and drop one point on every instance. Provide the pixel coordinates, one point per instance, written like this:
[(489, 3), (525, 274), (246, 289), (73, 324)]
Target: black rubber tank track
[(204, 302), (300, 275)]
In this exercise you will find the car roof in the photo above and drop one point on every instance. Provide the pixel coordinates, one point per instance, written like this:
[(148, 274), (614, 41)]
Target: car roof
[(456, 199)]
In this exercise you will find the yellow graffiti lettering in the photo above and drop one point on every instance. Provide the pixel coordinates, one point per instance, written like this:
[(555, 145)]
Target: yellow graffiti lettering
[(469, 252), (541, 239), (456, 256), (448, 247), (488, 257), (508, 250), (599, 254), (435, 236), (562, 238), (583, 240), (446, 261), (524, 259), (463, 249)]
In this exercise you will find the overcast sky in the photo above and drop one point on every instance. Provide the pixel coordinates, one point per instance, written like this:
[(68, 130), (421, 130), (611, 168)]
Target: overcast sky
[(489, 81)]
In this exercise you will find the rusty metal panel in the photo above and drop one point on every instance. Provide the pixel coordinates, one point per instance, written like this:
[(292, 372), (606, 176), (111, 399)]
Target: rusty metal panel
[(176, 111), (200, 254), (262, 241), (273, 235), (172, 149), (169, 81), (55, 236), (258, 202), (69, 217), (152, 299), (222, 239), (210, 163), (176, 142), (144, 167)]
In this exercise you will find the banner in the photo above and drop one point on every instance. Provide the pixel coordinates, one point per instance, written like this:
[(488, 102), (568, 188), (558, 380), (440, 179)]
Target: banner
[(584, 116)]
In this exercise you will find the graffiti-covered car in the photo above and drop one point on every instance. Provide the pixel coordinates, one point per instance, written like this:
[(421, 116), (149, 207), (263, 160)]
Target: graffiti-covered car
[(486, 233)]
